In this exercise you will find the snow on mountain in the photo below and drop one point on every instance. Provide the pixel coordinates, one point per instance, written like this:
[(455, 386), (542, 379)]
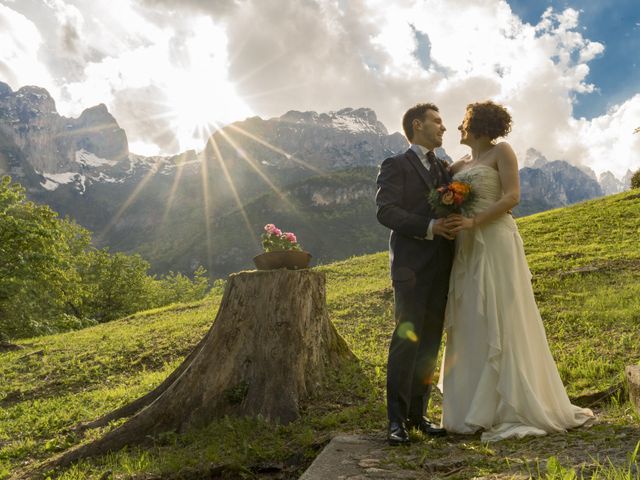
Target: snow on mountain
[(88, 159)]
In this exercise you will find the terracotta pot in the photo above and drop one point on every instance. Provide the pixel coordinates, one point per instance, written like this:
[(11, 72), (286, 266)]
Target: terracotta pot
[(290, 259)]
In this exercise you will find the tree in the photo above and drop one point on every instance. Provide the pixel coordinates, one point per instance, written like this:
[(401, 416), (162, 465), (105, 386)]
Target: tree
[(39, 284), (635, 180), (52, 279), (176, 287), (114, 285)]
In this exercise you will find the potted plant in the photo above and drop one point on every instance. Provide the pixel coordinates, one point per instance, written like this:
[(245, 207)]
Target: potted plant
[(281, 250)]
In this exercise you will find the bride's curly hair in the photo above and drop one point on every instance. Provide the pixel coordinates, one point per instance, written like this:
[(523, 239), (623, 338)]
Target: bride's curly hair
[(487, 119)]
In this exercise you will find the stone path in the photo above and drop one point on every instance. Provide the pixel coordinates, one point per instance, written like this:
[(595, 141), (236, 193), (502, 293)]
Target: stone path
[(588, 450), (365, 457), (353, 457)]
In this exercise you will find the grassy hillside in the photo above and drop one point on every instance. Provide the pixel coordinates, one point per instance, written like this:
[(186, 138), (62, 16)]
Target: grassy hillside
[(586, 265)]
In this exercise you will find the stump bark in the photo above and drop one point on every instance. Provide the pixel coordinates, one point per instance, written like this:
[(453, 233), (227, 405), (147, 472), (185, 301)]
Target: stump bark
[(632, 373), (271, 346)]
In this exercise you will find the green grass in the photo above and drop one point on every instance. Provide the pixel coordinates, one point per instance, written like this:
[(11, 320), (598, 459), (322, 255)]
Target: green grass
[(585, 261)]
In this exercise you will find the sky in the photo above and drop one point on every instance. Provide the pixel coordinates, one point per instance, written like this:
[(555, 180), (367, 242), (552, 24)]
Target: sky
[(566, 69)]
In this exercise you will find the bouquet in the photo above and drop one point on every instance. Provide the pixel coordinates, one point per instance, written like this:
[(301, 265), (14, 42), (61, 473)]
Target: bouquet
[(273, 239), (456, 197)]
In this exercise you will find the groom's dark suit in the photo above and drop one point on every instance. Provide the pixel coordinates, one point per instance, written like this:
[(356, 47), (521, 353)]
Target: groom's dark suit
[(420, 271)]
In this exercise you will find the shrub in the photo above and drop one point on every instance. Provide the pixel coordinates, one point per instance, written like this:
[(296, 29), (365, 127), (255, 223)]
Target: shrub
[(635, 180)]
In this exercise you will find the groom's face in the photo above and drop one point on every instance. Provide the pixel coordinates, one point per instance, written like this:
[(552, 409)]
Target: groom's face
[(428, 132)]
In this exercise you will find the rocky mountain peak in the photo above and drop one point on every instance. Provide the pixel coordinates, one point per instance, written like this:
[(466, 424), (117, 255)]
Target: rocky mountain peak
[(355, 120), (5, 90), (36, 99), (50, 143), (534, 159), (97, 114), (610, 184), (308, 140), (554, 184)]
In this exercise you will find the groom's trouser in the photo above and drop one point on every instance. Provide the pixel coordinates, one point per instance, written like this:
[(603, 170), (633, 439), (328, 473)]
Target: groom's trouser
[(413, 353)]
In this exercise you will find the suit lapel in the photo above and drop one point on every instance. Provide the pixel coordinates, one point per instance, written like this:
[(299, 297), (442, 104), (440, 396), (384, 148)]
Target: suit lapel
[(420, 168)]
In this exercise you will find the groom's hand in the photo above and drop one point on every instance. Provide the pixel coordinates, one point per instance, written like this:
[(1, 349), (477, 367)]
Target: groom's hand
[(441, 228)]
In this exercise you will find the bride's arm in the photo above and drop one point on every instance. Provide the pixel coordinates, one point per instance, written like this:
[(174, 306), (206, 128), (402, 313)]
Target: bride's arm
[(508, 171)]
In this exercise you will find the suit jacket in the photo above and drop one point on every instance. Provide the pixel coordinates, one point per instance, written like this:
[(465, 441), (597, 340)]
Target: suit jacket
[(402, 205)]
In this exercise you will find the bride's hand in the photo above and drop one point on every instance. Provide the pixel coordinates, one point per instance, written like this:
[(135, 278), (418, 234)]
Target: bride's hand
[(456, 223)]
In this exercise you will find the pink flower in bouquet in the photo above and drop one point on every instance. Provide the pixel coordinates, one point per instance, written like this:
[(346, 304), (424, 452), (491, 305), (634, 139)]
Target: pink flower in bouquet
[(291, 237)]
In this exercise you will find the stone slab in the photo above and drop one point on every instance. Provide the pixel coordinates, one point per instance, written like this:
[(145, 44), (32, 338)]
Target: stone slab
[(355, 457)]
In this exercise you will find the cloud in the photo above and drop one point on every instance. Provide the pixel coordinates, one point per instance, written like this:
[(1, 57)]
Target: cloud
[(19, 62), (167, 91), (319, 56), (154, 62), (70, 21), (608, 142), (217, 8)]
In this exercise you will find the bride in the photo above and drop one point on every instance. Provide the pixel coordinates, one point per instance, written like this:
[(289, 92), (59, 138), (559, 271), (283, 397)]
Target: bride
[(498, 374)]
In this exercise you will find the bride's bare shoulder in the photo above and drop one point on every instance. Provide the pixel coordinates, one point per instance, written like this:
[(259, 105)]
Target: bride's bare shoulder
[(504, 153), (504, 148), (459, 164)]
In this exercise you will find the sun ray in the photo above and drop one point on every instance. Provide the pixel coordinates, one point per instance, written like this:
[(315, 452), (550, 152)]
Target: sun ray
[(255, 167), (283, 88), (277, 150), (170, 200), (258, 69), (129, 201), (232, 186), (172, 194), (166, 114), (205, 199)]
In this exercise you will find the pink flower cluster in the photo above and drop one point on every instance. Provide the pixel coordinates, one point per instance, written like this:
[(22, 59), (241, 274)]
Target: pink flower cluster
[(273, 239), (271, 229)]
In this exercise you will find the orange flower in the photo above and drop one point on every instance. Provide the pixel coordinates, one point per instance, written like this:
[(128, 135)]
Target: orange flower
[(460, 188), (458, 199)]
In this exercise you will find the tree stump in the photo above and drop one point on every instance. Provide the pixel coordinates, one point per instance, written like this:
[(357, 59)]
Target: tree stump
[(633, 382), (271, 345)]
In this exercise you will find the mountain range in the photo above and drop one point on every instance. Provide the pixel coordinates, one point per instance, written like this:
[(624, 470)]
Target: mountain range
[(307, 172)]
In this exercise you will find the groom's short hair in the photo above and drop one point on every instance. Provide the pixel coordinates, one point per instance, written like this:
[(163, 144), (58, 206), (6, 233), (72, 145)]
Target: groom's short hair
[(416, 112)]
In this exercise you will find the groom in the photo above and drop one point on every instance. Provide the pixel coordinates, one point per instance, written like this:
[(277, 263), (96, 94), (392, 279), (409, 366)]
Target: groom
[(421, 254)]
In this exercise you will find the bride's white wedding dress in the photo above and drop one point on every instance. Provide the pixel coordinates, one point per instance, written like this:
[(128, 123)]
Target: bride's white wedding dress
[(498, 373)]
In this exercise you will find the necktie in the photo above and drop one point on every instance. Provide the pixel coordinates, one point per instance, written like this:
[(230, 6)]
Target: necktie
[(433, 166), (431, 160)]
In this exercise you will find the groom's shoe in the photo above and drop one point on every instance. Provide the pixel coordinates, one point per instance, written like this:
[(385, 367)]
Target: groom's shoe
[(397, 434), (426, 427)]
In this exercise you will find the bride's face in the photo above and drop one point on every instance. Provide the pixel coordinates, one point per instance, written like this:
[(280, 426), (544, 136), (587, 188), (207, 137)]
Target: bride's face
[(465, 136)]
